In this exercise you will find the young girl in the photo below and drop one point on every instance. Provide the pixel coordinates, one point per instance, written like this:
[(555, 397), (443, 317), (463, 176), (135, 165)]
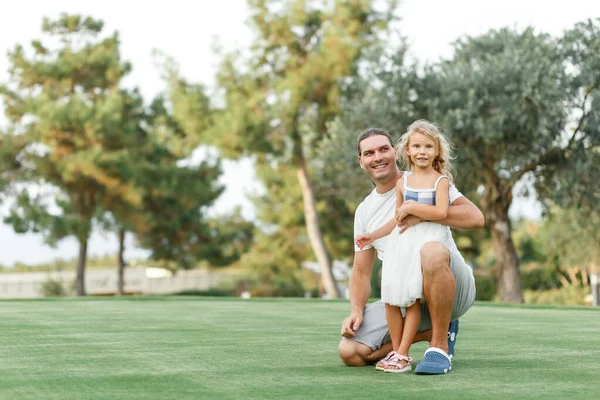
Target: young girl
[(422, 192)]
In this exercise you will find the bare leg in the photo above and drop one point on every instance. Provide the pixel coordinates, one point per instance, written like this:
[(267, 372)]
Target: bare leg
[(424, 336), (395, 324), (412, 321), (411, 324), (439, 287), (355, 354)]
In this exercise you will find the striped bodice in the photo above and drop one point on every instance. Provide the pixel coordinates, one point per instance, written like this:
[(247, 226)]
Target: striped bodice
[(422, 196)]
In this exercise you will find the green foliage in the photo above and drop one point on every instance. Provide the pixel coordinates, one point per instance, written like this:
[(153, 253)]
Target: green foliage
[(174, 223), (274, 257), (504, 99), (570, 295), (65, 110), (53, 288), (485, 286), (507, 100), (279, 287), (572, 236), (498, 92), (540, 278), (575, 186), (183, 116), (278, 209), (289, 288), (175, 227), (212, 292), (231, 235), (548, 248), (378, 97), (103, 159), (278, 99)]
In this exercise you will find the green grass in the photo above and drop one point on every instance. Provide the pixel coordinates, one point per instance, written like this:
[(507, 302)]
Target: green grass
[(191, 348)]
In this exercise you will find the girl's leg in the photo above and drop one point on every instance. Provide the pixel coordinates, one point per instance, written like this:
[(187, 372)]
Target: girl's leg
[(394, 320), (400, 361), (411, 325)]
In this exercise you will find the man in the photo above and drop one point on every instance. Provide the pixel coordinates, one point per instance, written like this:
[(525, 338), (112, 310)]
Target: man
[(448, 283)]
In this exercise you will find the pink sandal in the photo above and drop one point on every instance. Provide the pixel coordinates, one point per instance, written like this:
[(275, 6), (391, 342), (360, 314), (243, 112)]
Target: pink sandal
[(382, 364), (394, 365)]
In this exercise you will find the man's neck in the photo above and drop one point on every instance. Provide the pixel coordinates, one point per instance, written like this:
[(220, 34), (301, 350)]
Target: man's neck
[(384, 187)]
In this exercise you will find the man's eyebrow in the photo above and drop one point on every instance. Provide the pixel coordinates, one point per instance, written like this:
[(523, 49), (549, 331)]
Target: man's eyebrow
[(378, 148)]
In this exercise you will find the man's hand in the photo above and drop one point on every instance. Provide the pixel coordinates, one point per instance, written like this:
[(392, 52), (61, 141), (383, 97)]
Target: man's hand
[(408, 221), (351, 324), (364, 240)]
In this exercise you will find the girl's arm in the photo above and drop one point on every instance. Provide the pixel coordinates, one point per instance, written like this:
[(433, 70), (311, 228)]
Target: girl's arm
[(462, 214), (429, 212), (391, 224), (368, 238)]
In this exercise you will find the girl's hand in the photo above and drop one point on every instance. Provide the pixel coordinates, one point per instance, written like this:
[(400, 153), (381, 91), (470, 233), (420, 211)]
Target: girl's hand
[(364, 240), (409, 221), (404, 210)]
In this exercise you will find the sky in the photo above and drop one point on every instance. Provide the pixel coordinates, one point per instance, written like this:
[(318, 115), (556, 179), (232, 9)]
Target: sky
[(187, 31)]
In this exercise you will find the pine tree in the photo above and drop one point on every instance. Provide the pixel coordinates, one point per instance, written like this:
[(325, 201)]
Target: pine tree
[(65, 107)]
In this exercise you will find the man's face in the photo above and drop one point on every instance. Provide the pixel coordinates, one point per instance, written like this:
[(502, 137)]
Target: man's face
[(378, 158)]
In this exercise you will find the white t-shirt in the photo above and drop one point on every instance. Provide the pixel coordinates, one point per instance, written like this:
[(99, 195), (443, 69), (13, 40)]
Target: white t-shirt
[(377, 209)]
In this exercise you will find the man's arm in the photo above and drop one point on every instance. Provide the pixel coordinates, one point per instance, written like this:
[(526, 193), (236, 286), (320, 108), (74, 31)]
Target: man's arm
[(462, 214), (360, 290)]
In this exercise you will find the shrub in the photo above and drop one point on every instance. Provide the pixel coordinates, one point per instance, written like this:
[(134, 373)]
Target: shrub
[(485, 286), (539, 278), (283, 287), (213, 292), (53, 288), (570, 295)]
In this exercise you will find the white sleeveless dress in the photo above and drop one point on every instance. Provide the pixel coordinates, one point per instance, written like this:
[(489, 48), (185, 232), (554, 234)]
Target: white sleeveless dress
[(402, 279)]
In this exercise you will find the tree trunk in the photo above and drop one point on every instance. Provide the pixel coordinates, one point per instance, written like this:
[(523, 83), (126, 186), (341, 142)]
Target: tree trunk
[(80, 279), (121, 264), (595, 285), (507, 261), (314, 232)]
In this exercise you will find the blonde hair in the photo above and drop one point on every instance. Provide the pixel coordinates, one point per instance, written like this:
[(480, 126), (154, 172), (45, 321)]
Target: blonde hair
[(443, 161)]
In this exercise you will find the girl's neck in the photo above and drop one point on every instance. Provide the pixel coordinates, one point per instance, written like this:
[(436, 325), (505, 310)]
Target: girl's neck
[(418, 171)]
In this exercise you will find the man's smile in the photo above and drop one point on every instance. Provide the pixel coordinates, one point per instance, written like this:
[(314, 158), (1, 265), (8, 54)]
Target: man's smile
[(380, 166)]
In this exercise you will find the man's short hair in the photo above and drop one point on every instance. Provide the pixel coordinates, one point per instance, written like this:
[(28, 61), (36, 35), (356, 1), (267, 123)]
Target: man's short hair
[(372, 132)]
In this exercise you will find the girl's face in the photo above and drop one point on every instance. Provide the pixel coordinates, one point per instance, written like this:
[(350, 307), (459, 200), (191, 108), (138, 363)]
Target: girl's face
[(421, 150)]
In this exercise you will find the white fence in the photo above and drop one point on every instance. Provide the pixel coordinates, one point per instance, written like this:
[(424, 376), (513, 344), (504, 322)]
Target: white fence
[(138, 280)]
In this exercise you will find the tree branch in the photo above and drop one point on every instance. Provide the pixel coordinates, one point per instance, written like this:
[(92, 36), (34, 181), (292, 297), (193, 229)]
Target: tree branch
[(583, 116), (528, 168)]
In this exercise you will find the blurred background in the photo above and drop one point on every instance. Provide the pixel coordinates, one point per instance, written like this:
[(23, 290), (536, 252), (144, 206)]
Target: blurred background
[(210, 148)]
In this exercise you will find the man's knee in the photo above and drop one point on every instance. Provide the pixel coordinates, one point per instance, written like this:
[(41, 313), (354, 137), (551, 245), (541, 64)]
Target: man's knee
[(350, 353), (434, 257)]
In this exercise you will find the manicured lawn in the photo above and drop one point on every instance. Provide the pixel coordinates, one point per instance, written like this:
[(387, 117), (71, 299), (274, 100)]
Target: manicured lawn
[(193, 348)]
